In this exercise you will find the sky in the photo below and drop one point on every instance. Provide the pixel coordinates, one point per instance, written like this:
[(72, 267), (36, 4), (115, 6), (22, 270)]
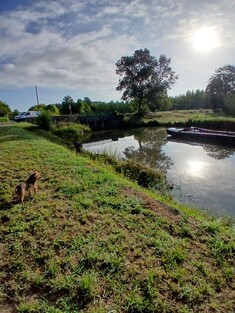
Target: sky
[(70, 47)]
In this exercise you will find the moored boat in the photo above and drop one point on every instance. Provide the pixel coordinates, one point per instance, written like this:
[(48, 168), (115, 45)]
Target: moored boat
[(202, 134)]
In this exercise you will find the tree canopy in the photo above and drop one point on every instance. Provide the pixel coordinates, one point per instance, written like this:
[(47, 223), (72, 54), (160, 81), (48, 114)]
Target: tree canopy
[(142, 76), (191, 100), (221, 85), (5, 110), (50, 108), (68, 105)]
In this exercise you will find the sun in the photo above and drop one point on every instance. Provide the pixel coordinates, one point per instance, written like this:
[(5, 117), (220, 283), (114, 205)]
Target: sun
[(205, 39)]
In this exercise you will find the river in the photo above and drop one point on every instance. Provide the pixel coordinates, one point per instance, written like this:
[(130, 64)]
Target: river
[(203, 175)]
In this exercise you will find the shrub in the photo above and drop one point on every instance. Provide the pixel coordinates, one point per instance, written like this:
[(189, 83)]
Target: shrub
[(4, 119), (70, 131), (143, 175), (44, 121)]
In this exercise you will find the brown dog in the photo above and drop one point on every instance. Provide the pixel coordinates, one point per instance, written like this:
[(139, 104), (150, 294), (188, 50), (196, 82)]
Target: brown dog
[(30, 185)]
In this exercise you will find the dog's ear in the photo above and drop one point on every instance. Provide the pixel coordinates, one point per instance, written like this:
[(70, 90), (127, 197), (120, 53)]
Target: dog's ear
[(37, 174)]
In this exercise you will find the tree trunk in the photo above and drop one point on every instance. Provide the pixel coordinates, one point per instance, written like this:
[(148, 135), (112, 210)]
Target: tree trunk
[(140, 106)]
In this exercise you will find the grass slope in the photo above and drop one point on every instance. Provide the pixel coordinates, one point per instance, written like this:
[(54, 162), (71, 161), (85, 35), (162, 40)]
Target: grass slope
[(199, 118), (91, 241)]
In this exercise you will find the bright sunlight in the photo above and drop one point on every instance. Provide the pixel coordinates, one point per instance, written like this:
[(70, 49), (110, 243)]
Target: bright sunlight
[(195, 168), (205, 39)]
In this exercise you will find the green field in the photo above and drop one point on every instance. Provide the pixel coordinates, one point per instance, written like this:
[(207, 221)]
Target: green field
[(184, 116), (201, 118), (92, 241)]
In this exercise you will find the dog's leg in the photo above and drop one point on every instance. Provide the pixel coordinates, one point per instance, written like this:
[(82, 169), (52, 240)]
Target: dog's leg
[(22, 195), (35, 188)]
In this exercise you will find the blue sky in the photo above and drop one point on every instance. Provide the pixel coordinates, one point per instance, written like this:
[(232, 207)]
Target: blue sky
[(70, 47)]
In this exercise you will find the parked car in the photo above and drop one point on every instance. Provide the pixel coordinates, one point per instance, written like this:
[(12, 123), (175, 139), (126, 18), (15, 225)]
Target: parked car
[(23, 116)]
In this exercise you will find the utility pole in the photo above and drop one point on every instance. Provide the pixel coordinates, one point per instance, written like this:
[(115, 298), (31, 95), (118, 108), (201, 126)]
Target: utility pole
[(37, 95)]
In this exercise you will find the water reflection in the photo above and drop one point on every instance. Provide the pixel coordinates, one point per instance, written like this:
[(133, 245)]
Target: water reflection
[(204, 173), (195, 168), (142, 145), (150, 149), (218, 152), (215, 151)]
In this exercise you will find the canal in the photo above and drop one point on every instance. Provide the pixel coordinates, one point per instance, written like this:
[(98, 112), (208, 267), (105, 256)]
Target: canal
[(203, 175)]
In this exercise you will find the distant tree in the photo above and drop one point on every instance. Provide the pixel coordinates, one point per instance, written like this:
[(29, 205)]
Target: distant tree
[(68, 106), (229, 105), (14, 113), (84, 106), (99, 107), (191, 100), (38, 107), (52, 109), (5, 110), (161, 103), (87, 100), (142, 76), (220, 86)]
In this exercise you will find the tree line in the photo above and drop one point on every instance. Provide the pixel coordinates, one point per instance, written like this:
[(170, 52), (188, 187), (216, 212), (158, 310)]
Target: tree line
[(144, 81)]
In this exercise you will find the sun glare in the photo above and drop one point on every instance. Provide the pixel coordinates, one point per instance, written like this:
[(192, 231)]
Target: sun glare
[(195, 168), (205, 39)]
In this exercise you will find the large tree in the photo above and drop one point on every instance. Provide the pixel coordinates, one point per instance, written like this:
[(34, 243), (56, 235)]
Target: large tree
[(142, 76), (221, 85)]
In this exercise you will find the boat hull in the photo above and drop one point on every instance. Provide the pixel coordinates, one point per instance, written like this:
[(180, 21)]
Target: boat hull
[(202, 135)]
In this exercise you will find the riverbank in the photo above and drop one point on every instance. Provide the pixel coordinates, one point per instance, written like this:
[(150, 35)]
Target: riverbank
[(182, 118), (199, 174), (92, 241)]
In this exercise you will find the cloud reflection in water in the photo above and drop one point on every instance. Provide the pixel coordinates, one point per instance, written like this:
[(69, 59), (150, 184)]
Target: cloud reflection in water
[(195, 168)]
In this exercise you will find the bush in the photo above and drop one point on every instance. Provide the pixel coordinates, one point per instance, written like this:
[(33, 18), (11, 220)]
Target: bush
[(70, 131), (4, 119), (143, 175), (5, 110), (44, 121)]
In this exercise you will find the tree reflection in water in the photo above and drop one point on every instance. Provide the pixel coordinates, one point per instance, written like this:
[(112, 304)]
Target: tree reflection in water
[(218, 152), (150, 153)]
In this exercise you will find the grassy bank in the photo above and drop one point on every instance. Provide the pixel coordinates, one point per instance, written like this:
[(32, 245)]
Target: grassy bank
[(92, 241), (202, 118)]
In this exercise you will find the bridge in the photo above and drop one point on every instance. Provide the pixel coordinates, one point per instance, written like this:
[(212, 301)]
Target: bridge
[(96, 122)]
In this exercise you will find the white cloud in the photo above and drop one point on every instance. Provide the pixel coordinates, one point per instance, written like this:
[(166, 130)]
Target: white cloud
[(75, 44)]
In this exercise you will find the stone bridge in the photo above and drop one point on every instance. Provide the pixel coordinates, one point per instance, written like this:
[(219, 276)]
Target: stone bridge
[(96, 122)]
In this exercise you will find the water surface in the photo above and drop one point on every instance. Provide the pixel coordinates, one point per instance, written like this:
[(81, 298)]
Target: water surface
[(203, 175)]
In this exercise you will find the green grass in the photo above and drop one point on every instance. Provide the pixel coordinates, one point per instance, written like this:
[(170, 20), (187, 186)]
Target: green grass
[(200, 118), (183, 116), (92, 241), (4, 119)]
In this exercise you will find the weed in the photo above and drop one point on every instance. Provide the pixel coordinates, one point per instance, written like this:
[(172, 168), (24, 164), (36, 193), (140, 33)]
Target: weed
[(221, 249), (229, 273), (213, 226), (87, 283), (25, 307)]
